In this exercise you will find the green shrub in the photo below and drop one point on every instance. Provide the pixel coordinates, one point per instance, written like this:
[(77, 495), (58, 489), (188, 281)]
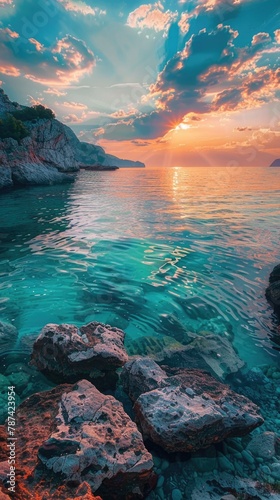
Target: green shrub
[(34, 113), (10, 127)]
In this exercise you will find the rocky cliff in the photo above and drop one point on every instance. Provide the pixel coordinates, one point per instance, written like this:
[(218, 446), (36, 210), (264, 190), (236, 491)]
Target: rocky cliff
[(50, 154)]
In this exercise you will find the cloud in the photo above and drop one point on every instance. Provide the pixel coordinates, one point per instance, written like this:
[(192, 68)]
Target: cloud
[(55, 92), (184, 23), (151, 16), (141, 143), (9, 70), (243, 129), (277, 36), (67, 61), (79, 7), (74, 105)]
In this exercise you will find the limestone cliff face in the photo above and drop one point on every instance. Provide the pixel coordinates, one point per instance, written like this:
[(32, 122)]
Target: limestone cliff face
[(50, 154)]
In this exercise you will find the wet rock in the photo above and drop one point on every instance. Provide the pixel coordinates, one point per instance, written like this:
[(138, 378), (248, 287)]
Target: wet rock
[(263, 445), (72, 435), (219, 486), (272, 294), (8, 336), (67, 353), (180, 421), (6, 181), (172, 327), (275, 274), (209, 352), (150, 345), (142, 375)]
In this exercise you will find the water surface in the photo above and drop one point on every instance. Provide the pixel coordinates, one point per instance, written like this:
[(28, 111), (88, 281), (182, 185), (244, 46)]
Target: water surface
[(145, 249)]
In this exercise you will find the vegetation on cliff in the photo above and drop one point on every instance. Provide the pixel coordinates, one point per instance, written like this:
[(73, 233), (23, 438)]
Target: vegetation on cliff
[(11, 127), (36, 112)]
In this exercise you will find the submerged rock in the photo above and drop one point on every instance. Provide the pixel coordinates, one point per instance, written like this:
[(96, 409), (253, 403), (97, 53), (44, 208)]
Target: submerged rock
[(209, 352), (67, 353), (189, 410), (263, 445), (150, 345), (8, 336), (73, 436)]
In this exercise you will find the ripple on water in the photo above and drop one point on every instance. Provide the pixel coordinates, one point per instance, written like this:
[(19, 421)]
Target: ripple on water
[(156, 252)]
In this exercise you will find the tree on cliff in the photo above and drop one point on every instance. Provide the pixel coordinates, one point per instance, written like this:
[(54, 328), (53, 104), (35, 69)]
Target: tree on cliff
[(36, 112), (10, 127)]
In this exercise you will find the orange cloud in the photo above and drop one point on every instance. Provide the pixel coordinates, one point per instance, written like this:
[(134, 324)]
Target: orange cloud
[(79, 7), (71, 60), (151, 16), (9, 70), (75, 105)]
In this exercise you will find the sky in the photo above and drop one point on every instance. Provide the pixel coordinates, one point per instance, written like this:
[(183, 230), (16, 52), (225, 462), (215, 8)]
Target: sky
[(169, 83)]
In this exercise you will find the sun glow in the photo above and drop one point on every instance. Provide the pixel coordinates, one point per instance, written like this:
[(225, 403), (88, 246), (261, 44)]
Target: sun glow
[(182, 126)]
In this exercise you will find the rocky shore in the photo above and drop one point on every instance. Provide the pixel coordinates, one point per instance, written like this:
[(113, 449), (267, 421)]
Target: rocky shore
[(49, 153)]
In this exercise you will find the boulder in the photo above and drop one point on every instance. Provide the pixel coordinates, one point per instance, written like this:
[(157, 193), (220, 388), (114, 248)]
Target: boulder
[(189, 410), (142, 375), (75, 437), (210, 352), (66, 353), (275, 274), (263, 445), (272, 294)]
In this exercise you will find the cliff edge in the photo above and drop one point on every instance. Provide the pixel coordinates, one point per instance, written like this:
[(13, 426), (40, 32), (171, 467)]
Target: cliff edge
[(45, 151)]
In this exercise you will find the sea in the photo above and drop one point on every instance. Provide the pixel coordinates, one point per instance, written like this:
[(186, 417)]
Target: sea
[(147, 250)]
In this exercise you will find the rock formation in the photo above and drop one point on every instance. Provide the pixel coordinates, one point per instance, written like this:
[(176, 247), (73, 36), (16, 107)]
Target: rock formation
[(209, 352), (48, 154), (67, 354), (74, 438), (276, 163), (186, 410), (273, 290)]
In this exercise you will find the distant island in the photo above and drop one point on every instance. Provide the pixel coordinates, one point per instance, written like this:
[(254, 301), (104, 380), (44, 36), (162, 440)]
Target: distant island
[(36, 149), (275, 163)]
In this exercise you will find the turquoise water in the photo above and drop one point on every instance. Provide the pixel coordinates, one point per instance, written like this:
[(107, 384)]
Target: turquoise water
[(144, 250)]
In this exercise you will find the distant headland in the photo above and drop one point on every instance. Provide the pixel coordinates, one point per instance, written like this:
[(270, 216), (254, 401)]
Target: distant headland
[(36, 149), (275, 163)]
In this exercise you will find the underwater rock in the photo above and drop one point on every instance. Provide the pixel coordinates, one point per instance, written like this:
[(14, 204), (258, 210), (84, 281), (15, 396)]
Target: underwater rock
[(208, 352), (171, 326), (150, 345), (263, 445), (198, 308), (66, 353), (189, 410), (8, 336), (74, 434)]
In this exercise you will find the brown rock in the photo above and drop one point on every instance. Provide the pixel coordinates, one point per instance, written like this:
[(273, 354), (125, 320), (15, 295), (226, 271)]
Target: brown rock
[(67, 354), (189, 410), (74, 441)]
